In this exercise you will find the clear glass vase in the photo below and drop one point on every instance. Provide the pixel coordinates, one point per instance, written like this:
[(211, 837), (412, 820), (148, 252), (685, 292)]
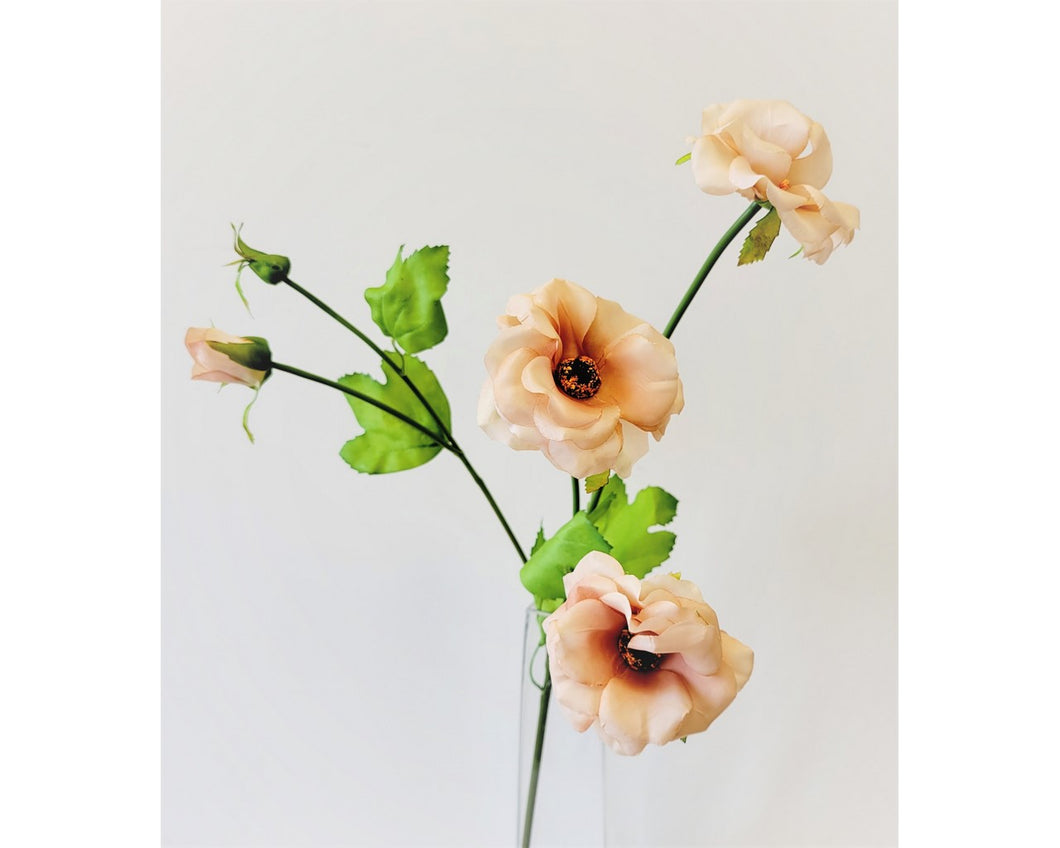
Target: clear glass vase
[(561, 772)]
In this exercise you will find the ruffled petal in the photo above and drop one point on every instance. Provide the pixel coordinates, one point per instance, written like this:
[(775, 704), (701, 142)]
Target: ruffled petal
[(711, 161), (638, 708), (815, 168), (583, 641), (737, 656), (710, 693), (634, 446), (640, 373)]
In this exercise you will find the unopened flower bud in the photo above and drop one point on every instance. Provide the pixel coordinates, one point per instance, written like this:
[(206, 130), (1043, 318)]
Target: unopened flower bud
[(270, 267), (223, 358)]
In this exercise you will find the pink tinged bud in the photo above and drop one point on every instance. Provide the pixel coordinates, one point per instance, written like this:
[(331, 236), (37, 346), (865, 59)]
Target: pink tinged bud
[(223, 358)]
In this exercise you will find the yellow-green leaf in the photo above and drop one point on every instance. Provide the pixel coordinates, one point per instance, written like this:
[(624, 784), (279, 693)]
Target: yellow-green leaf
[(760, 239)]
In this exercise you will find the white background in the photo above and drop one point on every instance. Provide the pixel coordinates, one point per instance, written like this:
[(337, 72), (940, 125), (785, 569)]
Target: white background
[(340, 652), (79, 610)]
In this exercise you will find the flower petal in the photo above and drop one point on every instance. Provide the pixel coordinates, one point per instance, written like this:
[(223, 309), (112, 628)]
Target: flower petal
[(638, 708), (583, 641), (634, 446), (711, 160), (710, 694), (815, 168), (737, 656), (640, 373)]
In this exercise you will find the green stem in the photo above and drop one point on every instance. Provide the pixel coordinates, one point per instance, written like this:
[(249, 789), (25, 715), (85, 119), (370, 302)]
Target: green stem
[(594, 500), (450, 442), (539, 744), (298, 372), (576, 491), (489, 497), (312, 298), (719, 248)]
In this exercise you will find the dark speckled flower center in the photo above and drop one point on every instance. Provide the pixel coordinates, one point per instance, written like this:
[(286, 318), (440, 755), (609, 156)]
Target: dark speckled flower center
[(637, 660), (577, 378)]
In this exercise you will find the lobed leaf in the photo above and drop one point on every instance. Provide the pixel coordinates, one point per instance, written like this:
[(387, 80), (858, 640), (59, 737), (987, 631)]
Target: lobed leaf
[(389, 444), (407, 307), (625, 526)]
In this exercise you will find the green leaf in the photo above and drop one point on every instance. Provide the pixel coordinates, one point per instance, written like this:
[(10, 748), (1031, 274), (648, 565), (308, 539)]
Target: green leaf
[(407, 307), (682, 159), (760, 239), (625, 526), (539, 541), (389, 444), (543, 573), (596, 481)]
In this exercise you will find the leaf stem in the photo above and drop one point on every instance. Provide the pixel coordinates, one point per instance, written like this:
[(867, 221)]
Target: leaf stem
[(449, 442), (719, 248), (576, 492), (316, 378), (312, 298), (489, 497)]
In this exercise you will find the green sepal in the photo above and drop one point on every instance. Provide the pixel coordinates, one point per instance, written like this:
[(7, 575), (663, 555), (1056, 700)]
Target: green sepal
[(254, 353), (760, 239), (625, 525), (246, 415), (543, 573), (407, 307), (596, 481), (270, 267), (682, 159), (389, 444), (684, 738), (797, 252)]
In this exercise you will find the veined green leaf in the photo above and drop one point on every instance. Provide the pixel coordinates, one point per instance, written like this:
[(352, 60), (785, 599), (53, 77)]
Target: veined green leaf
[(625, 526), (760, 239), (543, 573), (389, 444), (407, 307)]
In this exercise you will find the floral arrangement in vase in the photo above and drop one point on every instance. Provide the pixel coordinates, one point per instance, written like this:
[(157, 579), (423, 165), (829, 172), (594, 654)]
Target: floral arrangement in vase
[(631, 649)]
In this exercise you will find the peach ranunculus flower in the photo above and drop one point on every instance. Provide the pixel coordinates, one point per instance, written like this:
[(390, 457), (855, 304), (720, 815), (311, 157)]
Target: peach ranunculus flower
[(643, 660), (580, 379), (224, 358), (766, 150)]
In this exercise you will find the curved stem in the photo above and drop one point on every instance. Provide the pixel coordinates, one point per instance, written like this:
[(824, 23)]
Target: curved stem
[(489, 497), (312, 298), (401, 416), (449, 443), (723, 243)]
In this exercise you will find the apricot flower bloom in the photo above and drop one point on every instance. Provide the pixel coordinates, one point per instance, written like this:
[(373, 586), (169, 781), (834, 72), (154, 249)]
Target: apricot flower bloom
[(766, 150), (645, 661), (578, 378), (223, 358)]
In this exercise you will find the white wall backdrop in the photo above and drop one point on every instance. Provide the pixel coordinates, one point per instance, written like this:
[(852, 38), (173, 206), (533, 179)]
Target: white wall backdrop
[(340, 651)]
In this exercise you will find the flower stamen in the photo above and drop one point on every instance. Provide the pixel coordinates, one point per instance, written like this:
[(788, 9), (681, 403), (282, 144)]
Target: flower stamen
[(577, 378), (637, 660)]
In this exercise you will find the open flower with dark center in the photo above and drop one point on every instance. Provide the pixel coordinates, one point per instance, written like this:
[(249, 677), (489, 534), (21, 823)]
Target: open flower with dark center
[(580, 379), (645, 661)]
